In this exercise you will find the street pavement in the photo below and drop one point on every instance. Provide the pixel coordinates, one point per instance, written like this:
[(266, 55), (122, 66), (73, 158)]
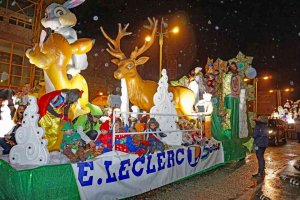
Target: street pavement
[(234, 181)]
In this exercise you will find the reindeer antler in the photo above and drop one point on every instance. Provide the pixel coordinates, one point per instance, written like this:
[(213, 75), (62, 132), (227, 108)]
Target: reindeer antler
[(116, 50), (152, 26)]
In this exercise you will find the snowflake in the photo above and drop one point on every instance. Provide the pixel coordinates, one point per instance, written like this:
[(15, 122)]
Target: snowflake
[(235, 11), (169, 11), (221, 1), (299, 34), (209, 22), (217, 27), (95, 18), (273, 39), (96, 54), (179, 65), (106, 64), (273, 56)]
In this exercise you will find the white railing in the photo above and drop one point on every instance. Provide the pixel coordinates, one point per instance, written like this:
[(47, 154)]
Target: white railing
[(197, 117)]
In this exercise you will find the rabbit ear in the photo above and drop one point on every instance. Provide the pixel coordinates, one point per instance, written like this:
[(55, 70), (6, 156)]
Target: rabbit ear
[(72, 3)]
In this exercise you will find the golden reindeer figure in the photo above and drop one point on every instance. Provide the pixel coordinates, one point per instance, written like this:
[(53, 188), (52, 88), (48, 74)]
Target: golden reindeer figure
[(141, 92), (53, 55)]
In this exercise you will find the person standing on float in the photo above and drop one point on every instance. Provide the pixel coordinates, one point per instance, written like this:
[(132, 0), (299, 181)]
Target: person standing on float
[(54, 107)]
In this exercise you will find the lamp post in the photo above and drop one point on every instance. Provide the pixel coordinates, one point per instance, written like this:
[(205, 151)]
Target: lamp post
[(255, 84), (279, 94), (161, 35)]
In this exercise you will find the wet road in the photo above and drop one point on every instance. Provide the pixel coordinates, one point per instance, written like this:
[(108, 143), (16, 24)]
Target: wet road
[(234, 181)]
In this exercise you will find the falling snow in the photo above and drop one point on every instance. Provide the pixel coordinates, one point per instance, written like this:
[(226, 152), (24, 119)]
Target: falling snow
[(258, 37), (95, 18)]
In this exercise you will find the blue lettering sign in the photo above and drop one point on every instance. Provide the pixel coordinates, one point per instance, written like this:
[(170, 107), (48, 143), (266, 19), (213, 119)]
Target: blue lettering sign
[(109, 177), (123, 168), (149, 170), (82, 173), (190, 156), (205, 153), (161, 164), (139, 172), (171, 161), (179, 162)]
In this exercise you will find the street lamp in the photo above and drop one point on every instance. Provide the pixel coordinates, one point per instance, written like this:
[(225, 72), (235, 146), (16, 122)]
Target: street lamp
[(161, 35), (278, 93), (256, 86)]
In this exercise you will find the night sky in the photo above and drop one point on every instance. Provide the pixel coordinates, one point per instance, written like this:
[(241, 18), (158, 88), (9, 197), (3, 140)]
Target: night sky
[(268, 30)]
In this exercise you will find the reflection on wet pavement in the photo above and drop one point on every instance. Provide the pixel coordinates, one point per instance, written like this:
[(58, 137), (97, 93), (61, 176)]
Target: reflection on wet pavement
[(234, 181)]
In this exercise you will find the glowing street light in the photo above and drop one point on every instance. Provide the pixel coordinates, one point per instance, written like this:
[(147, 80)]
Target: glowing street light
[(161, 35), (256, 85), (267, 77), (148, 39), (175, 29)]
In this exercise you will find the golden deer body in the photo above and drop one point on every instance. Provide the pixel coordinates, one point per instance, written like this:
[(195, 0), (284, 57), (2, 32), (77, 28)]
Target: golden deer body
[(141, 92), (53, 56)]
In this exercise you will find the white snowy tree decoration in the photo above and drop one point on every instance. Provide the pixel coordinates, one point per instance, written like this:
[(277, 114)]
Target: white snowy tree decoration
[(163, 104), (125, 101), (31, 148), (6, 123)]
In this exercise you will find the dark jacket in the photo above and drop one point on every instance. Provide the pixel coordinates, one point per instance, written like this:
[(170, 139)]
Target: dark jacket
[(260, 134)]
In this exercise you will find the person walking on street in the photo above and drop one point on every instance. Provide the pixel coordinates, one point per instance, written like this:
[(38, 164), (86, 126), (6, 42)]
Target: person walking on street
[(297, 128), (261, 140)]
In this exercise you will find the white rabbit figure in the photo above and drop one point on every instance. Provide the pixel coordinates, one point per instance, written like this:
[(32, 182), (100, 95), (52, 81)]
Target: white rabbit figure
[(60, 19)]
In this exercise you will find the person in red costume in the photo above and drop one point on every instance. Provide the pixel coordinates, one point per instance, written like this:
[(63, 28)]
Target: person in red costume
[(54, 107), (104, 139)]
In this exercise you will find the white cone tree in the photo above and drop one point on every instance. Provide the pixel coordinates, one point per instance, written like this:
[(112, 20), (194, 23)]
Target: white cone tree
[(31, 148), (163, 103)]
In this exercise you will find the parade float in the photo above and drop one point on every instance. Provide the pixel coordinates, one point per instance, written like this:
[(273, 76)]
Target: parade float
[(216, 132)]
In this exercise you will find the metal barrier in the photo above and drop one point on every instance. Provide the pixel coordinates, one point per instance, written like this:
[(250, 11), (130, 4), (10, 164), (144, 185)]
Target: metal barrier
[(198, 118)]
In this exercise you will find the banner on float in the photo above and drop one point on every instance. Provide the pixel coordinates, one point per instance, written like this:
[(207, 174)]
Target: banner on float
[(121, 175)]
